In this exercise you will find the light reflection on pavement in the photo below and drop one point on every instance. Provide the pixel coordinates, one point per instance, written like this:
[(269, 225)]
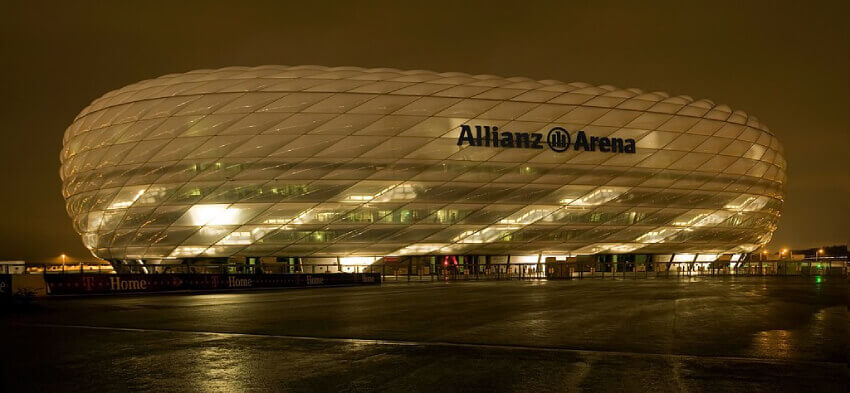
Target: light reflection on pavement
[(639, 335)]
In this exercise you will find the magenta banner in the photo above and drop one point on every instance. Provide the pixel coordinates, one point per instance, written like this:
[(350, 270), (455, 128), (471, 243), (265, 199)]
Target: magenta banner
[(68, 284)]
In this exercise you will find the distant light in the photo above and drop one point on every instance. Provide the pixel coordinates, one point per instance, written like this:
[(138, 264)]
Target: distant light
[(820, 251)]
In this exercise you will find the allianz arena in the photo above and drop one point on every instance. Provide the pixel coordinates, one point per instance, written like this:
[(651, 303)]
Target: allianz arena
[(317, 162)]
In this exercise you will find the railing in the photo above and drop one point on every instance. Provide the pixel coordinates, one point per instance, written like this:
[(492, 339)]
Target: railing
[(403, 271)]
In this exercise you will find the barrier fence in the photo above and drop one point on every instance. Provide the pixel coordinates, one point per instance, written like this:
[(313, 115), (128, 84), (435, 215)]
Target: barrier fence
[(532, 271), (408, 270), (159, 278)]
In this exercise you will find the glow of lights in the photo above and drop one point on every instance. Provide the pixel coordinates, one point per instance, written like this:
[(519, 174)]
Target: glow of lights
[(691, 221), (597, 197), (285, 220), (360, 198), (186, 251), (276, 221), (707, 257), (236, 238), (463, 235), (747, 203), (127, 203), (403, 192), (684, 257), (487, 234), (215, 214), (419, 248), (740, 203), (623, 248), (603, 247), (302, 217), (527, 217), (357, 261), (657, 236), (713, 219), (202, 214), (367, 198)]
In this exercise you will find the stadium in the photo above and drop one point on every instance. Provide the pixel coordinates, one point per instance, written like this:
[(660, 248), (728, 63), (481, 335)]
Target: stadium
[(314, 165)]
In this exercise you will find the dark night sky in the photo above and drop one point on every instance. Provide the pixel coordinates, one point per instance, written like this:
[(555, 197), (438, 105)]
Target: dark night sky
[(787, 64)]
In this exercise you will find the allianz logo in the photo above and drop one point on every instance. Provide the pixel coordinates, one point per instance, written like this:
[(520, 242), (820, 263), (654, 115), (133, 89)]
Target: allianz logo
[(558, 139)]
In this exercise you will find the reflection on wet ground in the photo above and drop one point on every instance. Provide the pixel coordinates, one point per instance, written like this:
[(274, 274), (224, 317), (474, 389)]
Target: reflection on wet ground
[(719, 334)]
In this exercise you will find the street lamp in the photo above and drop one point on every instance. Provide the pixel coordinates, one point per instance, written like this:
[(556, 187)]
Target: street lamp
[(63, 259), (761, 261), (781, 253), (819, 253)]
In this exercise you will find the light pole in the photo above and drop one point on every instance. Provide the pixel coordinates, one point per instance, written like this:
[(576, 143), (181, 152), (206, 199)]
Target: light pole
[(782, 253), (63, 263), (761, 262)]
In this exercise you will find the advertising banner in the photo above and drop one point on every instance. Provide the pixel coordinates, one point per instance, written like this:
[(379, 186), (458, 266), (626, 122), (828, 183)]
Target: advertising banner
[(67, 284)]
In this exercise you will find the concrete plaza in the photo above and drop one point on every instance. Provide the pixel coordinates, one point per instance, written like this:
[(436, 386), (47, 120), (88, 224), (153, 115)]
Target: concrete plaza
[(695, 334)]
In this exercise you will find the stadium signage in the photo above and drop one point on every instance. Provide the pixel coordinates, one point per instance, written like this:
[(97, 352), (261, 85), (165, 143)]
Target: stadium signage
[(558, 139)]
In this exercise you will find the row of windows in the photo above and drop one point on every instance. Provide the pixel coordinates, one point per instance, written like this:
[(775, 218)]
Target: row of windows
[(253, 173), (392, 236)]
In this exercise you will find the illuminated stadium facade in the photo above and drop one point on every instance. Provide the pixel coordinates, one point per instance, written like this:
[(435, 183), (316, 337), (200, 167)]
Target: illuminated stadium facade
[(359, 164)]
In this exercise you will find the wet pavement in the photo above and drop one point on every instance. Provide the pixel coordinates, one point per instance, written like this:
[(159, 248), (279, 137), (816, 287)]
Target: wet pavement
[(702, 334)]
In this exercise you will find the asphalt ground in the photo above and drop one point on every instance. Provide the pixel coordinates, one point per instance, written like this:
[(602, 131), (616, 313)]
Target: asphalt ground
[(699, 334)]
